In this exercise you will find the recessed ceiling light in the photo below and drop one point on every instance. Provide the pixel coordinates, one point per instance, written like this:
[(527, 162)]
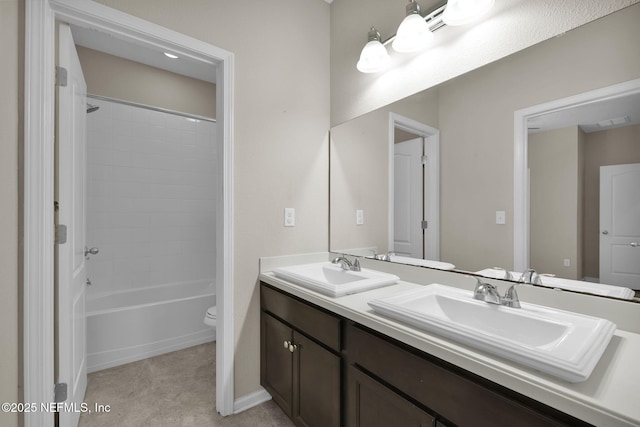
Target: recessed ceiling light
[(170, 55)]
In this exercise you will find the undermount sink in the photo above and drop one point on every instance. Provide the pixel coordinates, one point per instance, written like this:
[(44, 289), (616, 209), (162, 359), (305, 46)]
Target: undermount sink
[(561, 343), (333, 280), (568, 284)]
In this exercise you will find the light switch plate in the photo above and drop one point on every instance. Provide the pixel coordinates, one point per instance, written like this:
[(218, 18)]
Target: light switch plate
[(566, 262), (289, 217), (359, 217), (501, 217)]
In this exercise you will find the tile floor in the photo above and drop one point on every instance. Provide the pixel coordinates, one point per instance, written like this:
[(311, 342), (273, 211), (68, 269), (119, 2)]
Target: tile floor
[(174, 389)]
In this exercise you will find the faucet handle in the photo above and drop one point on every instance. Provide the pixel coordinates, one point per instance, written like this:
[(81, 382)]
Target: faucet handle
[(356, 265), (528, 276), (511, 297)]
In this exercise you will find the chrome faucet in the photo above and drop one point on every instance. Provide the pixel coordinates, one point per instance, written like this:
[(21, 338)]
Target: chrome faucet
[(487, 292), (530, 276), (346, 264), (382, 257)]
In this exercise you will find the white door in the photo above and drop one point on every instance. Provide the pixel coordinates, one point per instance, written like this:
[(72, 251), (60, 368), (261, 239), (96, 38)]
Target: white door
[(407, 198), (71, 273), (620, 225)]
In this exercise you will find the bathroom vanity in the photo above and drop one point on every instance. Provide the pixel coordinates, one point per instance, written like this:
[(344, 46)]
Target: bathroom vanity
[(334, 362), (309, 355)]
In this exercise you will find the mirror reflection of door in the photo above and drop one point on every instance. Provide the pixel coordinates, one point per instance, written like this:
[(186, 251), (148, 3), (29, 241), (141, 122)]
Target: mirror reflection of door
[(408, 191), (620, 225), (414, 202)]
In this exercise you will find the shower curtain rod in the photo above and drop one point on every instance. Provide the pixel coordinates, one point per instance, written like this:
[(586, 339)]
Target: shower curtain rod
[(151, 107)]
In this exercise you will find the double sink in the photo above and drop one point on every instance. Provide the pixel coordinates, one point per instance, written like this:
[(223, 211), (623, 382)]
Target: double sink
[(563, 344)]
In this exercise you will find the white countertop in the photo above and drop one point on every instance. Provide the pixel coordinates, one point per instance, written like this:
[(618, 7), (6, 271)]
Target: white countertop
[(610, 397)]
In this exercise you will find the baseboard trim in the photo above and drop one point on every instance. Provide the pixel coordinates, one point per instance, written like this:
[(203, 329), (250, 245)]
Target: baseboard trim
[(250, 400)]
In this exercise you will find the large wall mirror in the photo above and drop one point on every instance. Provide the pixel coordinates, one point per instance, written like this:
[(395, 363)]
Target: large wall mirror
[(438, 177)]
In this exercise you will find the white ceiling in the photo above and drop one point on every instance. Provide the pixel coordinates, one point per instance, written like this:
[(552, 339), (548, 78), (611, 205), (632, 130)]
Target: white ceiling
[(587, 116), (107, 43)]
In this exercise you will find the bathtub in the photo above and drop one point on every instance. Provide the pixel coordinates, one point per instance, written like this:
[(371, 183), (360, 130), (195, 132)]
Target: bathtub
[(132, 325)]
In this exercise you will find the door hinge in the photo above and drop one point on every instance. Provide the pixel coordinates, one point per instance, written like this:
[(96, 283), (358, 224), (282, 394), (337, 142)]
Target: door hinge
[(61, 234), (60, 392), (424, 159), (61, 76), (425, 225)]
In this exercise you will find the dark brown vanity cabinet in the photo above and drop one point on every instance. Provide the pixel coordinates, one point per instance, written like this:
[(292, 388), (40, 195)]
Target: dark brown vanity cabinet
[(326, 371), (302, 372), (456, 396), (370, 404)]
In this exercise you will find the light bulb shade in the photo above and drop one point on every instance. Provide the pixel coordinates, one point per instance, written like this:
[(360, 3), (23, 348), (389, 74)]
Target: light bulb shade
[(413, 34), (373, 58), (461, 12)]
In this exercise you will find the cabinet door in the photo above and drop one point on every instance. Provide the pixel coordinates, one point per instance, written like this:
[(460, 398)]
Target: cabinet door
[(276, 370), (317, 382), (370, 404)]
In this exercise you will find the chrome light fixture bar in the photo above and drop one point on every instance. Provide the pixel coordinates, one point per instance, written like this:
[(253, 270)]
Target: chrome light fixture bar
[(416, 31)]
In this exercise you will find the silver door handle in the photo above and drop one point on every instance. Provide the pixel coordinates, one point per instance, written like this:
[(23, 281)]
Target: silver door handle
[(634, 244), (91, 251)]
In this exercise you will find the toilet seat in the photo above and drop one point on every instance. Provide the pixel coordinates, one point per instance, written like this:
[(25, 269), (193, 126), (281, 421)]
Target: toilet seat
[(212, 312), (211, 316)]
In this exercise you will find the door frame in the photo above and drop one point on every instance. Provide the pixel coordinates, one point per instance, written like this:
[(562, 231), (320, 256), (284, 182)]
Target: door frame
[(38, 252), (431, 185), (520, 154)]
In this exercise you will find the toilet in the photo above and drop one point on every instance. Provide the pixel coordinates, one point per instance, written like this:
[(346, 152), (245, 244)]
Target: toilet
[(210, 317)]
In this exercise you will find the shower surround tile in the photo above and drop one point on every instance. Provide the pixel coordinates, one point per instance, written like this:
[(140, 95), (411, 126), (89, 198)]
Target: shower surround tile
[(151, 184)]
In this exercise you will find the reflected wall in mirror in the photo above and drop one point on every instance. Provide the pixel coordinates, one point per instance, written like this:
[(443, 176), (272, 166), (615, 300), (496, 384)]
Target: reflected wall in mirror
[(583, 161), (360, 160), (474, 114)]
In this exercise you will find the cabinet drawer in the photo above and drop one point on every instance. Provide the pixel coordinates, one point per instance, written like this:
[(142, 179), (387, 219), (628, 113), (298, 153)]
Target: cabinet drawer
[(314, 322), (453, 395)]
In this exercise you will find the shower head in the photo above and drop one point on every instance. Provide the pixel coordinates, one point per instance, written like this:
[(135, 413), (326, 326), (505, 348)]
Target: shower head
[(91, 108)]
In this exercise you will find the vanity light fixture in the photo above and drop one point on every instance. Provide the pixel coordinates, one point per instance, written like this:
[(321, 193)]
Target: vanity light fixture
[(170, 55), (413, 33), (374, 56), (416, 31)]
